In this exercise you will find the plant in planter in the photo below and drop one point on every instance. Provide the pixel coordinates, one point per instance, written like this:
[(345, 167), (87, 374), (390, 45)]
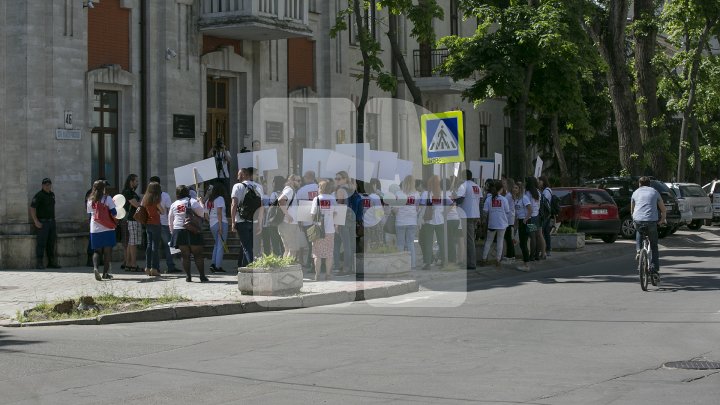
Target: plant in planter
[(568, 238), (384, 261), (270, 275)]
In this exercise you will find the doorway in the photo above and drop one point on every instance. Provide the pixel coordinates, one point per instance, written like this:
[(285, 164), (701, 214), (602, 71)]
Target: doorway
[(105, 137), (217, 113)]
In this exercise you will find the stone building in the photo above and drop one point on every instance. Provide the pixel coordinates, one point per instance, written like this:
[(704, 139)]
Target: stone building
[(113, 87)]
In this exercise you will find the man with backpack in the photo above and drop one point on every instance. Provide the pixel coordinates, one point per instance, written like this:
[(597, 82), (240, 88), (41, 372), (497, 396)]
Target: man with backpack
[(247, 213), (549, 211)]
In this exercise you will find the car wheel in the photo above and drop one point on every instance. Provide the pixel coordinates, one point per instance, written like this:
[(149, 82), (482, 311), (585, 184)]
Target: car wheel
[(695, 225), (663, 232), (609, 238), (627, 228)]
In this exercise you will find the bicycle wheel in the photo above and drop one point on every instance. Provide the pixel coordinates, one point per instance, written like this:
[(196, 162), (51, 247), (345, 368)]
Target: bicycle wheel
[(644, 269)]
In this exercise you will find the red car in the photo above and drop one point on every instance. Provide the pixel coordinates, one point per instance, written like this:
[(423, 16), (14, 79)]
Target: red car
[(589, 210)]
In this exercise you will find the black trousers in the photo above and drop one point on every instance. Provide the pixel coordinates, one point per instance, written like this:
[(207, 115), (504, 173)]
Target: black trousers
[(46, 241), (509, 243)]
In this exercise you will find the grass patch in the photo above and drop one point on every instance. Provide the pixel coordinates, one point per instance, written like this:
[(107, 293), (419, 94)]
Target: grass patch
[(104, 303)]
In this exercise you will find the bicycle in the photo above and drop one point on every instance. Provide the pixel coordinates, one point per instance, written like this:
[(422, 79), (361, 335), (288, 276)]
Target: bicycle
[(645, 260)]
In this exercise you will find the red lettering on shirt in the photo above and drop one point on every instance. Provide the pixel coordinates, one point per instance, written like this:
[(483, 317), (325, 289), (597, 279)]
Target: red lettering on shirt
[(366, 203), (436, 201), (476, 190), (181, 209), (496, 203), (325, 204), (312, 194), (410, 201)]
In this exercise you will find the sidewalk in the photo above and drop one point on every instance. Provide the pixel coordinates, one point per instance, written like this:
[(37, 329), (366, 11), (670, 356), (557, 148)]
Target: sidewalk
[(23, 289)]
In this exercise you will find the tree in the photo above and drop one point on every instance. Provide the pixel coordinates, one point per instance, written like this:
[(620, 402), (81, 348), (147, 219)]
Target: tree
[(689, 25), (606, 23), (505, 50)]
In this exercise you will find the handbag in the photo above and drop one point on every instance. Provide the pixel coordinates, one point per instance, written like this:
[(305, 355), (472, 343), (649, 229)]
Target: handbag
[(102, 215), (193, 222), (141, 215), (275, 213), (316, 231), (428, 214)]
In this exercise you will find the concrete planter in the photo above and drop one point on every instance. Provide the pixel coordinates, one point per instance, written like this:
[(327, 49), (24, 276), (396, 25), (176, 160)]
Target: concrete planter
[(568, 241), (385, 264), (266, 281)]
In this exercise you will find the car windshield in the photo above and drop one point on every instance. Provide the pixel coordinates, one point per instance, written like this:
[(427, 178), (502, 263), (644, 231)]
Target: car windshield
[(564, 196), (589, 197), (692, 191)]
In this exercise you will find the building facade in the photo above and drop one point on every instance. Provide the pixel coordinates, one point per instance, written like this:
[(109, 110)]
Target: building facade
[(139, 86)]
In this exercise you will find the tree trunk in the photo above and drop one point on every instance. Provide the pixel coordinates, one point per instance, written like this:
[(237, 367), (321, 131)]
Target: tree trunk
[(690, 103), (518, 118), (402, 64), (648, 110), (362, 32), (557, 147), (697, 162), (610, 37)]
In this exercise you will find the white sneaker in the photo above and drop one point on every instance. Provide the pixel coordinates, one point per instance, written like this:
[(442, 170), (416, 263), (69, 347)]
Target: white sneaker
[(637, 255)]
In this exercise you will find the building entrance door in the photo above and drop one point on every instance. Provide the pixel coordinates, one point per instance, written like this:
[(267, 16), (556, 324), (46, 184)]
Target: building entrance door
[(217, 113)]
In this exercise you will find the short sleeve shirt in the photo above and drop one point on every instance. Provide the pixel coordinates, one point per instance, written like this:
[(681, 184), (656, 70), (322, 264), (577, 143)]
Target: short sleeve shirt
[(497, 209), (646, 204), (178, 209), (240, 189), (130, 195), (470, 207), (212, 210), (289, 194), (44, 204), (326, 204), (95, 227)]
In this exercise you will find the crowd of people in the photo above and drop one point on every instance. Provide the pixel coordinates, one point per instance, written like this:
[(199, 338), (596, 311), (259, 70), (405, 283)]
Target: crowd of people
[(446, 217)]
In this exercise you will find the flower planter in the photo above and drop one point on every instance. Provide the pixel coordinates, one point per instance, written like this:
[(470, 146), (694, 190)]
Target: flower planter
[(381, 265), (568, 241), (270, 281)]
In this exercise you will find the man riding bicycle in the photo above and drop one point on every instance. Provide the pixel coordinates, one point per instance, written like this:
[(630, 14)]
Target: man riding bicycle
[(645, 204)]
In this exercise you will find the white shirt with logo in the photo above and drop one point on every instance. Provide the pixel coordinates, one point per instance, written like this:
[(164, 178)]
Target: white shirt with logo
[(407, 211), (497, 209), (472, 193), (326, 204)]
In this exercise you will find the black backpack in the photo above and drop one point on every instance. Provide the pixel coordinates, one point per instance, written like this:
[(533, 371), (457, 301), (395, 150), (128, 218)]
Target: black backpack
[(545, 209), (554, 205), (250, 203)]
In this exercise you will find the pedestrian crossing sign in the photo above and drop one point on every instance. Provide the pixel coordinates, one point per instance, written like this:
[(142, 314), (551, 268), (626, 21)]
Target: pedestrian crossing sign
[(443, 139)]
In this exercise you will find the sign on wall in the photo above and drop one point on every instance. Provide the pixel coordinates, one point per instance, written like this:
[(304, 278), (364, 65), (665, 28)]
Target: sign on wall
[(274, 132), (183, 126), (68, 134)]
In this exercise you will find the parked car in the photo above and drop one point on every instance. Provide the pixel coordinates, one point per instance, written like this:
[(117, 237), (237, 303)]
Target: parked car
[(621, 189), (589, 210), (693, 202), (712, 190)]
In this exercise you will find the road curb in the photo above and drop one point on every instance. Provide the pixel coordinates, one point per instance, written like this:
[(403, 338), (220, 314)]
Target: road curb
[(221, 308)]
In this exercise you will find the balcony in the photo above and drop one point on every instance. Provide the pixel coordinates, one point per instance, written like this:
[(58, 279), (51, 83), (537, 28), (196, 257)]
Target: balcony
[(428, 79), (255, 20)]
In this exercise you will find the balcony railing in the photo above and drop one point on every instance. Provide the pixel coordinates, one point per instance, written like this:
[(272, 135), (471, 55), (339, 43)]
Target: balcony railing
[(427, 61), (294, 10)]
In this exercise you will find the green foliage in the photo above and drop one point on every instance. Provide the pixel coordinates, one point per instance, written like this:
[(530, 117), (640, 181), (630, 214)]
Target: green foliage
[(271, 262), (565, 229)]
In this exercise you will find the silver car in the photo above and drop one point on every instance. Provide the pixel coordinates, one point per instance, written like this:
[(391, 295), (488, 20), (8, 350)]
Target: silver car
[(695, 206), (712, 190)]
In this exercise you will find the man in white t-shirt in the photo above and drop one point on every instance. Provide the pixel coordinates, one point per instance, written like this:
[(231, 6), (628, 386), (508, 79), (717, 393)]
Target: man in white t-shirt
[(247, 230), (165, 202), (468, 198)]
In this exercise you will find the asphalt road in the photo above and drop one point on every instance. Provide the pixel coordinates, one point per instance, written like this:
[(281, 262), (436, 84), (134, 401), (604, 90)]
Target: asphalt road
[(577, 335)]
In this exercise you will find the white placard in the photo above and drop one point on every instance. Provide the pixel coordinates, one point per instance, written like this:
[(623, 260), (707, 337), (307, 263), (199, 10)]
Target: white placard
[(456, 169), (538, 167), (314, 159), (340, 211), (356, 169), (303, 211), (384, 164), (204, 170), (262, 160), (498, 165), (404, 168), (351, 149), (482, 170)]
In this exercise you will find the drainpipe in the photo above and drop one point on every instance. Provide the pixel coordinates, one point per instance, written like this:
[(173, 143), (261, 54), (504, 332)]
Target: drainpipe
[(143, 94)]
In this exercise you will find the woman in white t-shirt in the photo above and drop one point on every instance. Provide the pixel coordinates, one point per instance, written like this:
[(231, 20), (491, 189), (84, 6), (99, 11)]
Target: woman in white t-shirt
[(373, 214), (215, 208), (102, 235), (289, 230), (406, 220), (507, 191), (523, 213), (433, 215), (272, 244), (183, 239), (534, 225), (323, 248), (496, 209)]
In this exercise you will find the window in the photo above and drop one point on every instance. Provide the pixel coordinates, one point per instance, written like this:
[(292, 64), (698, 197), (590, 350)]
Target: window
[(368, 20), (454, 18), (105, 136), (483, 140), (371, 130)]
